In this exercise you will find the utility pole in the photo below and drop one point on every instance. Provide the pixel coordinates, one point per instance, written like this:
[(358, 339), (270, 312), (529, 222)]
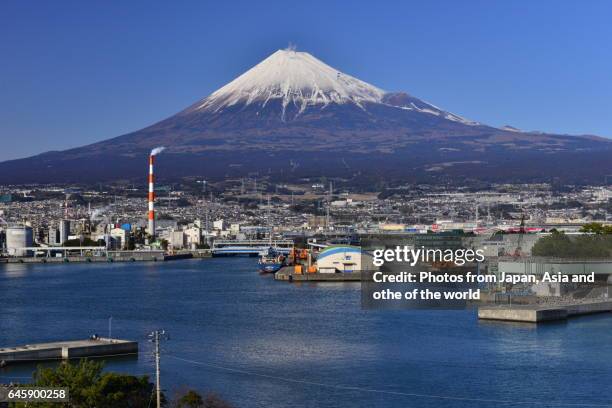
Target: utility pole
[(155, 337)]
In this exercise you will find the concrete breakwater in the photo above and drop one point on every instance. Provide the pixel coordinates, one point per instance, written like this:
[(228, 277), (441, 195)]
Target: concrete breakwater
[(63, 350), (541, 313)]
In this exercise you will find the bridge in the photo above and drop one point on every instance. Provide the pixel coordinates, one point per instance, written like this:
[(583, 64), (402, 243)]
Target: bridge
[(249, 247)]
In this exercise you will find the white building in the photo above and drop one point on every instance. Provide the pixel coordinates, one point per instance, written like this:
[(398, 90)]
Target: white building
[(176, 239), (193, 236), (342, 258), (219, 225)]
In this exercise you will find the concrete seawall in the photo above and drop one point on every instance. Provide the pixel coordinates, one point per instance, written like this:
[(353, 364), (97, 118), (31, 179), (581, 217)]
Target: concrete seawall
[(539, 313), (111, 256), (63, 350)]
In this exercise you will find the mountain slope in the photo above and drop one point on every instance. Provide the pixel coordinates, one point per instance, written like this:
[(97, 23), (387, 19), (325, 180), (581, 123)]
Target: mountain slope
[(293, 115)]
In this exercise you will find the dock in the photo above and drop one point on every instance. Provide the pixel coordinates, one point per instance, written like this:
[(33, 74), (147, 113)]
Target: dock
[(65, 350), (288, 274), (542, 313), (110, 256)]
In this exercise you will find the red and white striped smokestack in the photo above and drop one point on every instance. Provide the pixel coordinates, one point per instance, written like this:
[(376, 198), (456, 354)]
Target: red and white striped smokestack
[(151, 197)]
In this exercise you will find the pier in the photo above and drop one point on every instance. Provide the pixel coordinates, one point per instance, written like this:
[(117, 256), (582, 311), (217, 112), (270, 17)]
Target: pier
[(288, 274), (541, 313), (111, 256), (65, 350)]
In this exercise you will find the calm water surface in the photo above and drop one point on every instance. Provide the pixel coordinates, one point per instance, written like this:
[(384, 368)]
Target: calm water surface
[(261, 343)]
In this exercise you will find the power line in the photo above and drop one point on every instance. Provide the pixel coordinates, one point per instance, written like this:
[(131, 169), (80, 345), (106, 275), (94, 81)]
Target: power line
[(397, 393)]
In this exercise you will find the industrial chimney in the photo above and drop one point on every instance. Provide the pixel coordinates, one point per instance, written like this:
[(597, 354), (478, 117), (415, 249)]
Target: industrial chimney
[(151, 197)]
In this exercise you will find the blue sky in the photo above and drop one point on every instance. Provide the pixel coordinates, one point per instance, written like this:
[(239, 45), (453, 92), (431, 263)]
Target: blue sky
[(72, 73)]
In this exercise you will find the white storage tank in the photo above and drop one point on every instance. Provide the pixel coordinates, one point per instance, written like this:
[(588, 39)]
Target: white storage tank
[(64, 231), (17, 238)]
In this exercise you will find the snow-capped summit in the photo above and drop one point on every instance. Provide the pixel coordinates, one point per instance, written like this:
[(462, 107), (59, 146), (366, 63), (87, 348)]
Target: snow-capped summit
[(296, 78), (293, 81)]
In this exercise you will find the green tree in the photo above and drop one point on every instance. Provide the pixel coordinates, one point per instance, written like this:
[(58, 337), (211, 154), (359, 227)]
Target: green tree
[(556, 244), (585, 246), (119, 390), (164, 244), (596, 228), (191, 399), (89, 387), (81, 379)]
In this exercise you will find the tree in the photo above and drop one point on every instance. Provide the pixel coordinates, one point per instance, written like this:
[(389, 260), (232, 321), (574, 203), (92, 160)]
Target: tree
[(596, 228), (89, 387), (556, 244), (191, 399), (81, 379), (586, 246), (119, 390), (164, 244)]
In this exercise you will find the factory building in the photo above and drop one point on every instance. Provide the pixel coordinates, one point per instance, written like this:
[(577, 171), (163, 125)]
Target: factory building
[(57, 236)]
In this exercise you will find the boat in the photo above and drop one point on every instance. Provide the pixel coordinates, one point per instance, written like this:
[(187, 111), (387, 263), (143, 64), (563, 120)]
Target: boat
[(271, 261)]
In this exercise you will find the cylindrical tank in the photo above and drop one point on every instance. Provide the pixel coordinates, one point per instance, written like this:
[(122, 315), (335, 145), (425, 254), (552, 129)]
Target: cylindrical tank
[(18, 238), (64, 228)]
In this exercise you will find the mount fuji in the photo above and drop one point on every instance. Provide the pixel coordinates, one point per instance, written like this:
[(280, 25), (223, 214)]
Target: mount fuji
[(294, 116)]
